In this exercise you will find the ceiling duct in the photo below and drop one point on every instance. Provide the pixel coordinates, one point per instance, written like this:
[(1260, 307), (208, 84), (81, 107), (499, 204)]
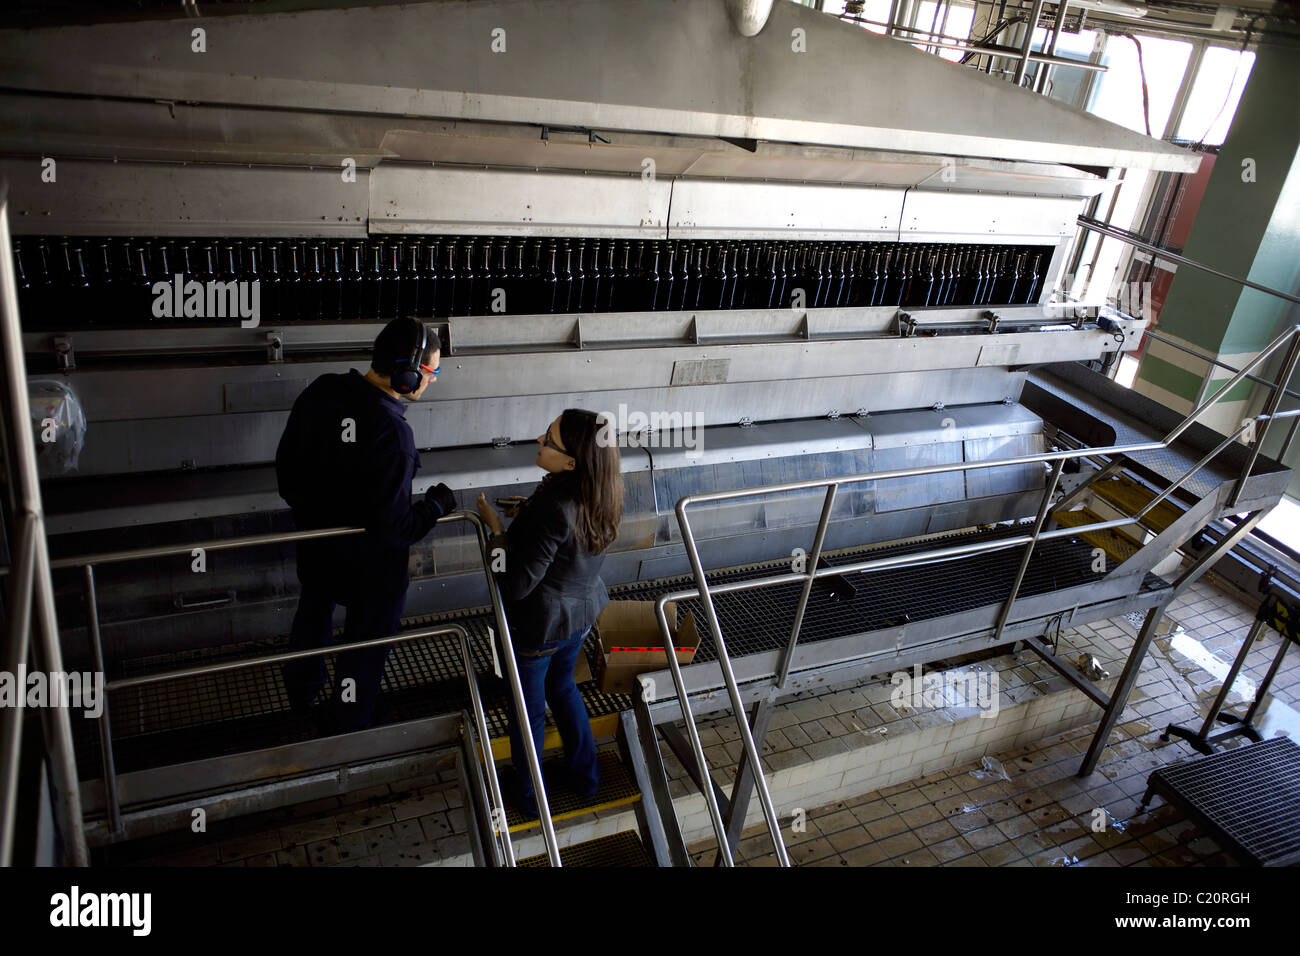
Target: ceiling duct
[(749, 16)]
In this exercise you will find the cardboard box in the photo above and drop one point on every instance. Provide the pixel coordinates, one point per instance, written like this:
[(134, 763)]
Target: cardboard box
[(630, 643)]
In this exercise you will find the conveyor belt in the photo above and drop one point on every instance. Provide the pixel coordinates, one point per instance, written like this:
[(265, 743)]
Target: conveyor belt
[(189, 719)]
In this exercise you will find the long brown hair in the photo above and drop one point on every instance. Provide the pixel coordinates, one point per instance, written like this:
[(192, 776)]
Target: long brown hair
[(599, 478)]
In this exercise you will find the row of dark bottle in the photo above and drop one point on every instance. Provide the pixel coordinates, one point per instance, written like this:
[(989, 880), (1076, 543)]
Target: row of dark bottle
[(79, 282)]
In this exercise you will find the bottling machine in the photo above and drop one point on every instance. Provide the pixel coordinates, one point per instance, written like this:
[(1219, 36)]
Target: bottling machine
[(825, 252)]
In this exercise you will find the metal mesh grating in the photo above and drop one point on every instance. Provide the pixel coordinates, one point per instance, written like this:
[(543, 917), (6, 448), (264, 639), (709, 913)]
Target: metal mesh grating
[(220, 714), (1249, 798), (1169, 463), (621, 849), (617, 788)]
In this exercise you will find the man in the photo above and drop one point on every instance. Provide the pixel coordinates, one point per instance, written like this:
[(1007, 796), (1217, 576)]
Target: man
[(347, 457)]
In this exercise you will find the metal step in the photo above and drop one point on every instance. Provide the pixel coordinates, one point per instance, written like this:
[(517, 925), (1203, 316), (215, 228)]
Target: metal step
[(617, 789), (619, 849), (1118, 545), (1130, 497)]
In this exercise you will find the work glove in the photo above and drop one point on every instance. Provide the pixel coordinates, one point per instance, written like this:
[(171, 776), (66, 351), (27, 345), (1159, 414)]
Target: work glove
[(442, 498)]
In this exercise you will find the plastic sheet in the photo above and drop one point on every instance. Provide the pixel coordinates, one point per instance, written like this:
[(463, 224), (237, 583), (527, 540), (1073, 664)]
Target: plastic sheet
[(993, 770), (58, 427)]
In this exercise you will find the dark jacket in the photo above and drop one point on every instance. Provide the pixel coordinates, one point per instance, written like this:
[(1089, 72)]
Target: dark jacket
[(551, 586), (331, 481)]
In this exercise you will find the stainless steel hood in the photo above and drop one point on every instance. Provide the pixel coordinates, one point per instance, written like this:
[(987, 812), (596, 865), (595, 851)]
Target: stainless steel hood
[(681, 68)]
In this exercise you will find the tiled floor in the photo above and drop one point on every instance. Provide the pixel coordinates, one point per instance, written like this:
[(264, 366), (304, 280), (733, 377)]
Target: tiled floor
[(1040, 813)]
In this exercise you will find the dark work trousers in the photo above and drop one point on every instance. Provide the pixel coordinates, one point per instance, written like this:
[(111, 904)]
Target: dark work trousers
[(312, 628)]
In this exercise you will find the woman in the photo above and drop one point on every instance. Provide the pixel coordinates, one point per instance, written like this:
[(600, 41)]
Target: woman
[(552, 590)]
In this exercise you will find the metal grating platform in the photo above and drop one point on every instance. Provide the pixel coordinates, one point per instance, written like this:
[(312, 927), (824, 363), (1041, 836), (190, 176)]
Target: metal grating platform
[(617, 789), (621, 849), (1248, 799), (213, 715), (1168, 463)]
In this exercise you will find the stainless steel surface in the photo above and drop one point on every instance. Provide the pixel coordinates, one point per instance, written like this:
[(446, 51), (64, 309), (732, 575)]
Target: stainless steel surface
[(105, 723), (558, 54), (17, 630), (1029, 26), (813, 559), (26, 491), (1029, 550), (487, 393), (683, 699), (1045, 71), (737, 707)]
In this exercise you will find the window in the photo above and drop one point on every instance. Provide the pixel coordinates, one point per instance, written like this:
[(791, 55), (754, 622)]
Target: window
[(1117, 96), (1213, 103)]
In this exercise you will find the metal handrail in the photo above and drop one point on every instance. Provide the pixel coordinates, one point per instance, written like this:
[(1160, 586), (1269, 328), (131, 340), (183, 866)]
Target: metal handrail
[(704, 592), (20, 609), (516, 686), (25, 501)]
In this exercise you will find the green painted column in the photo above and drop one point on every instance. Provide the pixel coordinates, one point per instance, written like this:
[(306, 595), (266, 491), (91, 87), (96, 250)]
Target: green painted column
[(1248, 224)]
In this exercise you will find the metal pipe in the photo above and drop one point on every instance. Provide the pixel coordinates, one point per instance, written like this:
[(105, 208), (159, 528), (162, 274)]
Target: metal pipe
[(1044, 74), (710, 799), (1030, 25), (1043, 508), (280, 657), (813, 559), (220, 544), (11, 718), (1231, 679), (21, 464), (516, 691), (733, 691), (1258, 360), (1114, 233), (990, 51), (1270, 409), (500, 830), (1206, 358), (105, 726)]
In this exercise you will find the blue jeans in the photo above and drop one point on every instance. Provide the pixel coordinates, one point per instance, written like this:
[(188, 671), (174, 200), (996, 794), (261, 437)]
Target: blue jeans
[(549, 680)]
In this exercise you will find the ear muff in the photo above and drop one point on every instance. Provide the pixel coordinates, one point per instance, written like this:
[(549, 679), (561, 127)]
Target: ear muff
[(405, 377)]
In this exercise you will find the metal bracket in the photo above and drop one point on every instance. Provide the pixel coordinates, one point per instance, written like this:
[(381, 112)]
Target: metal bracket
[(63, 353), (906, 325), (992, 318), (501, 441), (275, 347)]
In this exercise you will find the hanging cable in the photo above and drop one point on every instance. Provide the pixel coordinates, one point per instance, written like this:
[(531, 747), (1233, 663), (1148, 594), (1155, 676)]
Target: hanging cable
[(1142, 72)]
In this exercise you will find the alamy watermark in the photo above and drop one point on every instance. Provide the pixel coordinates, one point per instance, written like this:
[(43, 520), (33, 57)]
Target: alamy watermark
[(238, 298), (955, 688), (656, 429), (76, 689)]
